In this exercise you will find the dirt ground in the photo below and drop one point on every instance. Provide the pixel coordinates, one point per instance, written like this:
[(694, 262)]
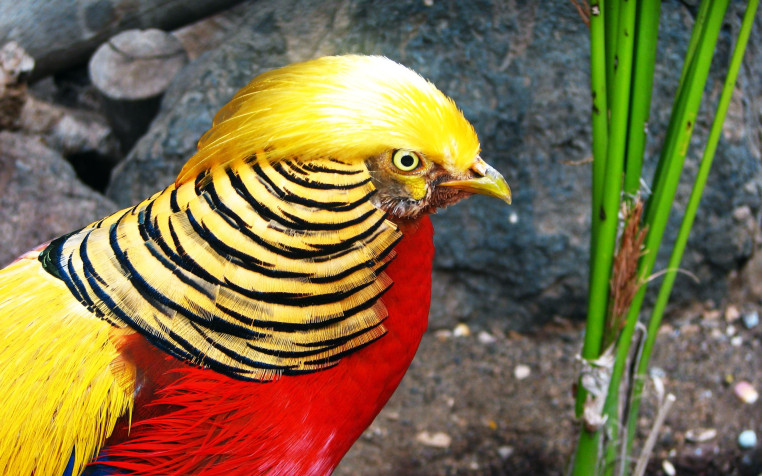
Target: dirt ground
[(461, 410)]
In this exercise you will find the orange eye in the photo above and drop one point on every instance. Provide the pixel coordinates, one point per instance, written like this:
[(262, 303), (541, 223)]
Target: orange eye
[(406, 160)]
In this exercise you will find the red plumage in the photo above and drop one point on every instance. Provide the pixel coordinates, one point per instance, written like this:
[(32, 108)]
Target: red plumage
[(203, 422)]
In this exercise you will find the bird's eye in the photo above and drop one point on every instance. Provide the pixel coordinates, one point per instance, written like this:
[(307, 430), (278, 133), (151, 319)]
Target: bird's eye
[(406, 160)]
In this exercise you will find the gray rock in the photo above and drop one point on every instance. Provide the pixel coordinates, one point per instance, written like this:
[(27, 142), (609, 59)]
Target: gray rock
[(131, 71), (519, 71), (69, 131), (15, 65), (40, 196), (64, 33)]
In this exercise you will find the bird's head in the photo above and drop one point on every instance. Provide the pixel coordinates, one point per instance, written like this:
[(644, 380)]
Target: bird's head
[(421, 152)]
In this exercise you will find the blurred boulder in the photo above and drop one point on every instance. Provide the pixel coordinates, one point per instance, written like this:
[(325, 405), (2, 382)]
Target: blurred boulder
[(63, 34), (519, 71), (131, 71), (15, 66), (40, 196), (69, 131)]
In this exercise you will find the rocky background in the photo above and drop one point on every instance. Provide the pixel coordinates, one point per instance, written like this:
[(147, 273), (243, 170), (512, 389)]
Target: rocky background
[(519, 71)]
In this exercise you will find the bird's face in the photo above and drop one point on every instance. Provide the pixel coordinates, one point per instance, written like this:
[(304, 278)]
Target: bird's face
[(409, 184)]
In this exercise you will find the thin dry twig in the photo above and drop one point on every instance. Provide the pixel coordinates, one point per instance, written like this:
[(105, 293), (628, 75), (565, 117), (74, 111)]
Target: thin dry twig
[(586, 160), (645, 455), (584, 10), (676, 270), (625, 388)]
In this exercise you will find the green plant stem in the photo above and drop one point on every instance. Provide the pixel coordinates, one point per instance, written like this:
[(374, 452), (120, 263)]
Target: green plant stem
[(696, 34), (600, 140), (690, 213), (640, 104), (684, 112), (608, 213), (647, 28), (600, 109), (612, 36), (589, 441)]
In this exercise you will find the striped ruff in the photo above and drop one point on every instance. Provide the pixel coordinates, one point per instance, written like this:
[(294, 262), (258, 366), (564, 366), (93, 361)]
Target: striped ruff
[(254, 271)]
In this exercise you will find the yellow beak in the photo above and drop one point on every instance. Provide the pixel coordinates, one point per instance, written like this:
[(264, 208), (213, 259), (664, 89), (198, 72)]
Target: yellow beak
[(487, 181)]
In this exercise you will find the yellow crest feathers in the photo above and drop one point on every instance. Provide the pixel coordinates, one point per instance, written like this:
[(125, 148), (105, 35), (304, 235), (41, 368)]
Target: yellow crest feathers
[(342, 107)]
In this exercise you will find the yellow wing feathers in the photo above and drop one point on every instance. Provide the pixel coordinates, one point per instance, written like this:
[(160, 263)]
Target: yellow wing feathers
[(64, 382)]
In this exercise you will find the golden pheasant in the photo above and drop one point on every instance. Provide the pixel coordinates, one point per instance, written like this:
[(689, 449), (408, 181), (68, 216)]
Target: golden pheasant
[(256, 315)]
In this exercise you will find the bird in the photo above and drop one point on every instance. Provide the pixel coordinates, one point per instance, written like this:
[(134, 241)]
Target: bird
[(254, 316)]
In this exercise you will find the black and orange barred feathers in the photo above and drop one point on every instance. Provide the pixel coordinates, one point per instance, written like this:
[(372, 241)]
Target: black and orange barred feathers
[(254, 270)]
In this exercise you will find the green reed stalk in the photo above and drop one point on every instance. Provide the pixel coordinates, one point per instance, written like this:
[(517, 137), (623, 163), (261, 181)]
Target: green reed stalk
[(690, 213), (607, 213), (684, 112), (623, 37)]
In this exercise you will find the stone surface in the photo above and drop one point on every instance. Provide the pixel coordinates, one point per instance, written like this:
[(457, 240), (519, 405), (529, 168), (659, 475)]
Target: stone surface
[(131, 72), (40, 196), (15, 65), (519, 72), (211, 32), (137, 64), (64, 33), (68, 131)]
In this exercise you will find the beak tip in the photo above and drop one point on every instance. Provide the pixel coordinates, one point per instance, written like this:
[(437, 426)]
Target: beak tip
[(489, 183)]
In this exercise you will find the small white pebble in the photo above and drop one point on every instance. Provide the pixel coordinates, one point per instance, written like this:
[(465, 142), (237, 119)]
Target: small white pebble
[(438, 439), (505, 452), (747, 439), (513, 218), (657, 372), (751, 319), (700, 435), (658, 386), (668, 468), (461, 330), (521, 372), (712, 314), (730, 330), (746, 392), (736, 341), (486, 338), (732, 313), (443, 334)]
